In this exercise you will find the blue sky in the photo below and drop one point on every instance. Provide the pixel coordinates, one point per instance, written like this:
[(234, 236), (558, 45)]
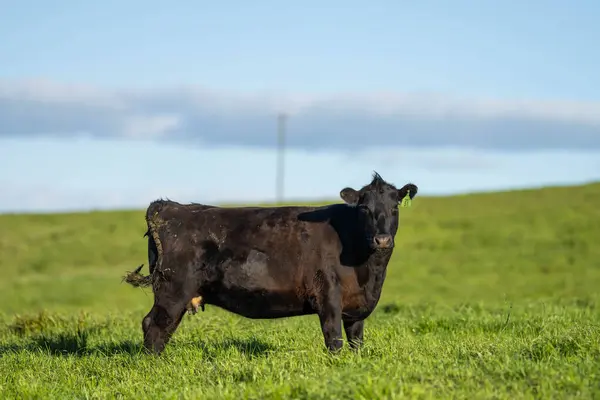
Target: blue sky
[(112, 104)]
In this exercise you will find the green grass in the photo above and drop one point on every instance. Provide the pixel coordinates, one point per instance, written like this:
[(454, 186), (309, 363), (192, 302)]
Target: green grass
[(488, 296)]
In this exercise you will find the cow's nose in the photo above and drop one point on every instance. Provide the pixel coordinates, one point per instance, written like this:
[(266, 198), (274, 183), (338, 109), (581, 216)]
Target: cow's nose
[(383, 241)]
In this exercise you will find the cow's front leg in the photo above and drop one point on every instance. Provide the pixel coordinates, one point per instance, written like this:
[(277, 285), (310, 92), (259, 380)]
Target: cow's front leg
[(354, 333), (330, 316)]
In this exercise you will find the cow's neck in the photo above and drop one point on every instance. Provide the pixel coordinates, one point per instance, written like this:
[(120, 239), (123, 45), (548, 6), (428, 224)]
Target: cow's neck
[(370, 276), (373, 268)]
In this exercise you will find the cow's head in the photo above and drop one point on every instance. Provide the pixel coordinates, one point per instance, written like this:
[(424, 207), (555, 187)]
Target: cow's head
[(377, 205)]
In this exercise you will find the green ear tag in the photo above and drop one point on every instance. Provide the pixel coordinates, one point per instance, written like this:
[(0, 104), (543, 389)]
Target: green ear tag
[(406, 201)]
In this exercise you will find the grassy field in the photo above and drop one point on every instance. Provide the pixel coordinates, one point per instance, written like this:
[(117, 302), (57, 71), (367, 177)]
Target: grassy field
[(487, 296)]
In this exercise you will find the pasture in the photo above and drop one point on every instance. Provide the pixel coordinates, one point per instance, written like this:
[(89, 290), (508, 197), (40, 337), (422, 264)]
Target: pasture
[(491, 295)]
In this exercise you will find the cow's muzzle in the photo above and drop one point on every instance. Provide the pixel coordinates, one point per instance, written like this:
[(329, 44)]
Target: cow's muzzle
[(381, 242)]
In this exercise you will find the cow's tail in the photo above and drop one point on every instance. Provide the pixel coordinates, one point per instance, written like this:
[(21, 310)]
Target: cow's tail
[(135, 279)]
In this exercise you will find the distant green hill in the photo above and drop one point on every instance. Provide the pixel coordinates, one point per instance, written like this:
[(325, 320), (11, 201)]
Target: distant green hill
[(492, 246)]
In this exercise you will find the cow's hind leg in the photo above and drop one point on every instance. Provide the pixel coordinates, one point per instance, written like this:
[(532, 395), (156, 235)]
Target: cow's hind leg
[(164, 317), (354, 333)]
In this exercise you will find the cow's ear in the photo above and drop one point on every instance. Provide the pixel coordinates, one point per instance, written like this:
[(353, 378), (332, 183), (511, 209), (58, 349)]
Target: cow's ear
[(410, 189), (349, 195)]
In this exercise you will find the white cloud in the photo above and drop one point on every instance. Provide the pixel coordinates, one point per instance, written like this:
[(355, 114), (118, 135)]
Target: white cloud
[(150, 126), (347, 121)]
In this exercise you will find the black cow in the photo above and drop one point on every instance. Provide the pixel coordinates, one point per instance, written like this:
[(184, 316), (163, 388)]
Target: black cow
[(272, 262)]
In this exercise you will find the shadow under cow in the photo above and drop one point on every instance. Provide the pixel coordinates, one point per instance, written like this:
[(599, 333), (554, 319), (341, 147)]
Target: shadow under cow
[(77, 344)]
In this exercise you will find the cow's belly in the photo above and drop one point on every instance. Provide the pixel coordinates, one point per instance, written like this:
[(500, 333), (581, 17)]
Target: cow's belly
[(252, 290), (258, 304)]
